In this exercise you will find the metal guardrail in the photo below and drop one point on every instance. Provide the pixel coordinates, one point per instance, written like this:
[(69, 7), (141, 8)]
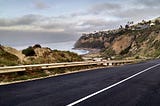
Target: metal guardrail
[(10, 69)]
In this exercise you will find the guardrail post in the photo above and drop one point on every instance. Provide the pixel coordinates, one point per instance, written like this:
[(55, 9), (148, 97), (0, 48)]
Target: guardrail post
[(110, 64)]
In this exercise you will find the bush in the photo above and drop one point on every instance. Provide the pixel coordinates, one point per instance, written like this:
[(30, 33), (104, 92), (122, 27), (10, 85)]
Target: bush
[(37, 46), (108, 52), (125, 51), (157, 45), (157, 53), (28, 52), (157, 22), (137, 57)]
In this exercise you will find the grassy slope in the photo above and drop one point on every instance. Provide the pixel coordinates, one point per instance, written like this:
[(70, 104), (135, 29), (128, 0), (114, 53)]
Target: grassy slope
[(7, 58)]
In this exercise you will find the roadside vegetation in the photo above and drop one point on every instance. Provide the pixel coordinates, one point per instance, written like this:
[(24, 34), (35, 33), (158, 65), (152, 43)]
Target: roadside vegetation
[(35, 55), (17, 76), (7, 58), (41, 55)]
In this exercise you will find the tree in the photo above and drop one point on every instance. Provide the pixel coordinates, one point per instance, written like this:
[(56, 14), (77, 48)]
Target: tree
[(126, 26), (28, 52), (37, 46), (149, 21), (157, 22), (121, 27)]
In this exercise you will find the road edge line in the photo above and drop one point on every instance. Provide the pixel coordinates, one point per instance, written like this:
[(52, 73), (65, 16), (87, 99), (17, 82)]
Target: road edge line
[(111, 86)]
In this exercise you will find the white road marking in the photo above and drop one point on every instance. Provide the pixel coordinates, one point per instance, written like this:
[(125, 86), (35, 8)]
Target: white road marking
[(111, 86)]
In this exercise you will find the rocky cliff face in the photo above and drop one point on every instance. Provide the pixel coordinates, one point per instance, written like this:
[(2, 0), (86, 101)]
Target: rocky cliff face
[(130, 42)]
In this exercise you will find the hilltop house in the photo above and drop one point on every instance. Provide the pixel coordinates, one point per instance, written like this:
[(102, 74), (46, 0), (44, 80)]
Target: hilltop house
[(141, 27)]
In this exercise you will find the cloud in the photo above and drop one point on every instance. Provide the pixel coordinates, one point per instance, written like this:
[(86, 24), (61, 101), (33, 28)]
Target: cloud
[(97, 24), (96, 17), (77, 14), (94, 22), (104, 7), (99, 8), (41, 5), (37, 23), (56, 25), (137, 13), (148, 3), (14, 37), (24, 20)]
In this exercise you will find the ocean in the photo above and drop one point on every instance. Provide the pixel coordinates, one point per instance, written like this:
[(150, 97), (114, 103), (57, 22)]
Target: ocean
[(22, 39), (65, 46)]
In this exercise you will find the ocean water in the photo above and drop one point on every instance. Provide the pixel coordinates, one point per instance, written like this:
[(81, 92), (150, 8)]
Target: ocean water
[(66, 46)]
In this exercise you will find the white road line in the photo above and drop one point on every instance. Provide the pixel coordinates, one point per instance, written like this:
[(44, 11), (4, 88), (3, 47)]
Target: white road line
[(100, 91)]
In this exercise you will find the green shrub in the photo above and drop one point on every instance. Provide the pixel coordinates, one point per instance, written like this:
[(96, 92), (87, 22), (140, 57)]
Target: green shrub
[(157, 53), (125, 51), (157, 22), (157, 45), (108, 52), (28, 52), (37, 46), (137, 57), (141, 38)]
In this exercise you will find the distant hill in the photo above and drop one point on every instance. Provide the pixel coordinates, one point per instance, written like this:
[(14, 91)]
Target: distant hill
[(35, 55), (139, 40)]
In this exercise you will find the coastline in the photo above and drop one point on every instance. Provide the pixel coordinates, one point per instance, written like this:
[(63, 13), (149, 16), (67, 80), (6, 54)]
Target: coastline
[(90, 50), (63, 46)]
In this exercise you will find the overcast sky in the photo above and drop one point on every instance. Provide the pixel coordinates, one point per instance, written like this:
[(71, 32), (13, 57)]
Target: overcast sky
[(49, 21)]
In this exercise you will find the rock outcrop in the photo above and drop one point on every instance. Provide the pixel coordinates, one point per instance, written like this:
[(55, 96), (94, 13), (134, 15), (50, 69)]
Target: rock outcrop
[(134, 41)]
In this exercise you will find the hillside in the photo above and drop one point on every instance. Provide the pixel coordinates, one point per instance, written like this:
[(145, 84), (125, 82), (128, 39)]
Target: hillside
[(141, 40), (35, 55), (7, 58), (38, 54)]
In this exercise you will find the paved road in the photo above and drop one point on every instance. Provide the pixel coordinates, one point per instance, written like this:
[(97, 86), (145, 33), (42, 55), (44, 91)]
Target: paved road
[(141, 90)]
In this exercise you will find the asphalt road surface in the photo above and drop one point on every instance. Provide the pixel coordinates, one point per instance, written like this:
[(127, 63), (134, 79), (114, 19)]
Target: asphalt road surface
[(128, 85)]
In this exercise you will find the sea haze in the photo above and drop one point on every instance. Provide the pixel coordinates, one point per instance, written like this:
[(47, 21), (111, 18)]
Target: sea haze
[(22, 39), (64, 46)]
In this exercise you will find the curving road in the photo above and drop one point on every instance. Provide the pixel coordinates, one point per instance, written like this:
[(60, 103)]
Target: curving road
[(128, 85)]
